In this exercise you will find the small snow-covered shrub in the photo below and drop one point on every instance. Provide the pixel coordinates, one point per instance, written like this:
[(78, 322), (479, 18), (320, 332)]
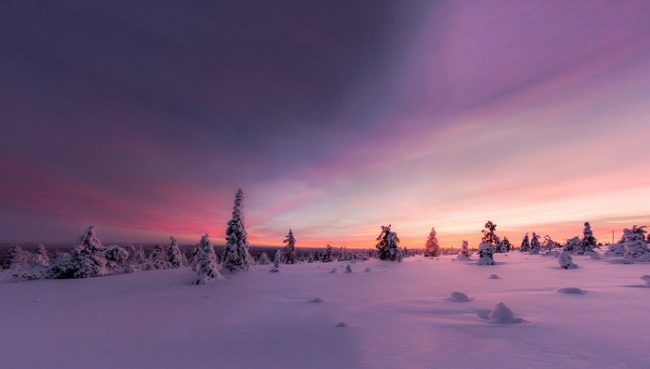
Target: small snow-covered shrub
[(464, 252), (494, 276), (348, 268), (566, 262), (458, 297), (486, 253), (572, 291), (264, 259), (503, 315), (276, 261)]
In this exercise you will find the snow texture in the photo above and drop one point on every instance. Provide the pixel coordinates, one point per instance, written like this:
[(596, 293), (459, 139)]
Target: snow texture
[(397, 317), (236, 257)]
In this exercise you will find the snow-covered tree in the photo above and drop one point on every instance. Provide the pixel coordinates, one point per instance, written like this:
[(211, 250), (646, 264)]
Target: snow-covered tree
[(290, 249), (41, 257), (572, 244), (490, 233), (589, 242), (236, 256), (117, 259), (535, 246), (174, 255), (328, 256), (264, 259), (86, 259), (158, 259), (276, 261), (464, 252), (21, 264), (432, 248), (388, 245), (136, 255), (206, 261), (636, 249), (566, 261), (549, 244), (485, 252), (505, 245), (525, 244)]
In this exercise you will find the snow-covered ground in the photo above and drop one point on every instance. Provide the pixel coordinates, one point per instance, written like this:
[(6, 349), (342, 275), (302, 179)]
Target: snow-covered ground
[(396, 315)]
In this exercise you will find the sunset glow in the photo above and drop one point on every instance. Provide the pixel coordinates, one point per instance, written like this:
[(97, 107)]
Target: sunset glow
[(534, 115)]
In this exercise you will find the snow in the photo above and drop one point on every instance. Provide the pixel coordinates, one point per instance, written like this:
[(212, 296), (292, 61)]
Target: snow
[(572, 291), (399, 316)]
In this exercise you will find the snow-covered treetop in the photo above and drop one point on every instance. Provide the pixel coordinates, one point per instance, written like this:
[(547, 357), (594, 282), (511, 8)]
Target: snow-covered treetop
[(290, 240), (490, 233), (88, 242), (635, 234)]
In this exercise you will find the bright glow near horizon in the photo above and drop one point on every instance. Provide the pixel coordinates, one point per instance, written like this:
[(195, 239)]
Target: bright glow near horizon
[(534, 116)]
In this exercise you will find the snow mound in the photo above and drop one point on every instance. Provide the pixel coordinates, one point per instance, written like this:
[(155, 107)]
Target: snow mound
[(316, 300), (503, 315), (341, 325), (458, 297), (367, 270), (572, 291), (646, 278), (494, 276), (333, 270)]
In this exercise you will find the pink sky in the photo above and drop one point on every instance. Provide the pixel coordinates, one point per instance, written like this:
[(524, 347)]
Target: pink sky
[(531, 114)]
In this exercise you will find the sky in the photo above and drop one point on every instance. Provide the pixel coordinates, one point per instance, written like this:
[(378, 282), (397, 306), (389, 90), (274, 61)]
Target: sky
[(335, 117)]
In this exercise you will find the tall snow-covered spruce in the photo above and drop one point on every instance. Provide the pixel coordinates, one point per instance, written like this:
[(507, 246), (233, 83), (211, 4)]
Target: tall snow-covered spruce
[(206, 262), (432, 248), (236, 256), (589, 242), (290, 249), (388, 245)]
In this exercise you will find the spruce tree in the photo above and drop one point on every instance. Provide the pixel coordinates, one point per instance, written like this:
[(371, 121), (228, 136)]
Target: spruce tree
[(236, 256), (589, 242), (535, 246), (432, 248), (206, 262), (276, 261), (388, 245), (525, 244), (175, 257), (572, 245), (86, 259), (290, 249), (328, 255), (464, 252), (636, 249), (489, 244)]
